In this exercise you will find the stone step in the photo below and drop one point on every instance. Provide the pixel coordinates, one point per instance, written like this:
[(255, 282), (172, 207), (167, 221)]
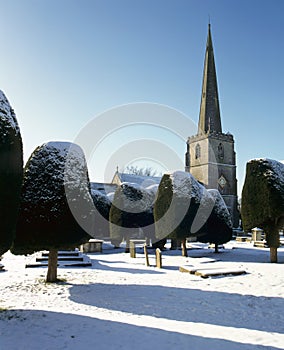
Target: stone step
[(62, 258), (64, 253)]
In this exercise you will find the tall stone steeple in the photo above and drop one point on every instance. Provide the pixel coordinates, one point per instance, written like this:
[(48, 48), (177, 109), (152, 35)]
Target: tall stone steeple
[(209, 116), (210, 155)]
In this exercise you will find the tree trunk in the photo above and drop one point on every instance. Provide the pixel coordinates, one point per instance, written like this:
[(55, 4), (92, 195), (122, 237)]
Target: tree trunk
[(183, 247), (273, 255), (216, 248), (52, 266)]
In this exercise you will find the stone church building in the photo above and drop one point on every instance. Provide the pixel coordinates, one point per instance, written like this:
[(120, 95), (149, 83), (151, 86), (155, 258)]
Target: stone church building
[(210, 155)]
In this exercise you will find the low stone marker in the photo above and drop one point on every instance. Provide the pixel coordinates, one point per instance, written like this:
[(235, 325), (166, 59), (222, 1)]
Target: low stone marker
[(132, 246), (146, 255), (92, 246), (158, 258)]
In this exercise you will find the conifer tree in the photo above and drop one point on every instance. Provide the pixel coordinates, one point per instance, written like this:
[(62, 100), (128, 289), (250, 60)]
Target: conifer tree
[(263, 200), (131, 213), (218, 228), (11, 173), (182, 207), (56, 210)]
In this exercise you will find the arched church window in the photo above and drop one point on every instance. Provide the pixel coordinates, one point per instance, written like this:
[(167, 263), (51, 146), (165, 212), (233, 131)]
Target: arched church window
[(197, 151), (220, 151)]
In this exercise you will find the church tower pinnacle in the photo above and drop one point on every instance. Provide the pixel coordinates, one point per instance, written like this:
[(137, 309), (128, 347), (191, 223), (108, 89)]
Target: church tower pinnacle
[(209, 116), (210, 155)]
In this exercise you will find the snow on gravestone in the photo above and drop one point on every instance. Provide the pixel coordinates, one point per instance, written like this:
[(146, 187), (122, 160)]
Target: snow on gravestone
[(56, 210), (182, 206), (11, 172)]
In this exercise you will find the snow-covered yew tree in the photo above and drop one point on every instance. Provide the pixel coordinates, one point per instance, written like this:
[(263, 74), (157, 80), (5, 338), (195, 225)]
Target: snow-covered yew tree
[(263, 200), (219, 227), (11, 173), (131, 213), (182, 207), (102, 205), (56, 210)]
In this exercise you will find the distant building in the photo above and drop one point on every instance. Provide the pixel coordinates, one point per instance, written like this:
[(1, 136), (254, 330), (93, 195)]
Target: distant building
[(210, 155), (144, 181)]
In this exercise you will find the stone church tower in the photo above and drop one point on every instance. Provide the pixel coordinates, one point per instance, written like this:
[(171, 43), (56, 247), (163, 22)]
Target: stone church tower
[(210, 155)]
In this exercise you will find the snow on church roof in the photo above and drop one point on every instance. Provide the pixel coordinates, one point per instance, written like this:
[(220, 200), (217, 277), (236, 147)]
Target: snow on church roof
[(143, 181)]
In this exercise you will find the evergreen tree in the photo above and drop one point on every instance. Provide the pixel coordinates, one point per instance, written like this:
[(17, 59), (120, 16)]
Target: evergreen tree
[(263, 200), (56, 209), (11, 173), (102, 205), (182, 207), (131, 213), (218, 228)]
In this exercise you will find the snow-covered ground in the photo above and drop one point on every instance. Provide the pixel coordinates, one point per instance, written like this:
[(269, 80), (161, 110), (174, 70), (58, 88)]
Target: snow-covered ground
[(119, 303)]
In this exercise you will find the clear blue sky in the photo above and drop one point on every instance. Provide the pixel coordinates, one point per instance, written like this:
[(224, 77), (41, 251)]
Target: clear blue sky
[(65, 61)]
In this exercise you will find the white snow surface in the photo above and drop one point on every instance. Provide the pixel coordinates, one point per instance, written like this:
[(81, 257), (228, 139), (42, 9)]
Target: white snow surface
[(119, 303), (135, 198), (185, 185)]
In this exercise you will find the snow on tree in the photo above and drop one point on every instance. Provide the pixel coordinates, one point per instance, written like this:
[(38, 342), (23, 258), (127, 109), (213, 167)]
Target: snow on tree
[(131, 213), (182, 207), (263, 200), (102, 204), (56, 210), (219, 227), (11, 173)]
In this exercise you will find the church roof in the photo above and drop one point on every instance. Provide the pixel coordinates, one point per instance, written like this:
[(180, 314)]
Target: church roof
[(209, 116), (141, 180)]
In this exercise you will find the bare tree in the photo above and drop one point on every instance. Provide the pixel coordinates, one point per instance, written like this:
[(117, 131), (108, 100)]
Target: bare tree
[(136, 170)]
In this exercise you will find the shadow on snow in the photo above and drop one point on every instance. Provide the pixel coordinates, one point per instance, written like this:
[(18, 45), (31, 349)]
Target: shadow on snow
[(188, 305), (54, 330)]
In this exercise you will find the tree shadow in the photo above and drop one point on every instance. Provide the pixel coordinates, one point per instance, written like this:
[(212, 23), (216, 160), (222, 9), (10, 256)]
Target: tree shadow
[(106, 265), (184, 304), (55, 330), (236, 254)]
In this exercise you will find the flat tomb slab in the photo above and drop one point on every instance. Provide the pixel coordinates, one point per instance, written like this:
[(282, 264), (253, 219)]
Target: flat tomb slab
[(219, 272), (212, 271)]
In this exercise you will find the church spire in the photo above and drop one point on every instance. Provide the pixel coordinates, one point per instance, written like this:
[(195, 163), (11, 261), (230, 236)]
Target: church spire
[(209, 115)]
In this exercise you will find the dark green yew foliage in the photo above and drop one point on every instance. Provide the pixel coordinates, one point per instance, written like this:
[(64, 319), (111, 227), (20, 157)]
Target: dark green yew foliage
[(263, 198), (46, 221), (218, 228), (11, 173), (176, 206), (131, 214), (102, 205)]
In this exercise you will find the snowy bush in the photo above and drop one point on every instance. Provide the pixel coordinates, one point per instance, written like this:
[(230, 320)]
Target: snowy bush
[(218, 228), (55, 171), (263, 200), (182, 206), (102, 204), (11, 172), (131, 213)]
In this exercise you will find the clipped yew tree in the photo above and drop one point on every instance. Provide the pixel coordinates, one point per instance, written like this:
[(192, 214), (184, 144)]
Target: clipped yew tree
[(11, 173), (219, 227), (101, 216), (182, 207), (131, 213), (263, 200), (56, 210)]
